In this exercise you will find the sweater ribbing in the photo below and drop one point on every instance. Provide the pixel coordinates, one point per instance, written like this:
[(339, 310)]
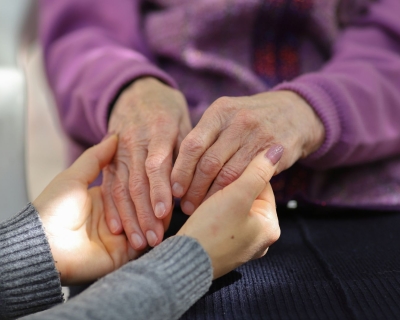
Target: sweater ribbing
[(29, 281)]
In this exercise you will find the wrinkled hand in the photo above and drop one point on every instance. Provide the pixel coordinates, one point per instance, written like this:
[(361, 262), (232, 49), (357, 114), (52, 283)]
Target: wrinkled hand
[(81, 244), (151, 119), (238, 223), (229, 135)]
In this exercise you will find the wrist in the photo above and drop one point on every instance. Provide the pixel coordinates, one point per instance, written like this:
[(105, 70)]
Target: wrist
[(125, 92), (55, 250), (312, 128)]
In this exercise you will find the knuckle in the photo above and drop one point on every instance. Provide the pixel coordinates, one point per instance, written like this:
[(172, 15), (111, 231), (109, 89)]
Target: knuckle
[(119, 192), (127, 221), (163, 119), (247, 119), (146, 219), (153, 164), (136, 187), (127, 138), (156, 189), (227, 175), (209, 165), (222, 106), (192, 146), (181, 173), (223, 102), (261, 174), (195, 195), (132, 139)]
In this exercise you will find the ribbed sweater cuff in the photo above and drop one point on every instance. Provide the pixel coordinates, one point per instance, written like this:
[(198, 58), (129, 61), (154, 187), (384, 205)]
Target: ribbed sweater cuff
[(319, 98), (29, 281), (187, 266)]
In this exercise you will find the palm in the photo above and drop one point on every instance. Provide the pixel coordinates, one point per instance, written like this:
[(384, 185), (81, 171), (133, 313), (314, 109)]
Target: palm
[(86, 246), (101, 251)]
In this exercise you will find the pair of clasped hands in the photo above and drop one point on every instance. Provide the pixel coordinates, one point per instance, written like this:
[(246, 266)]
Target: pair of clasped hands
[(160, 156), (234, 225), (221, 174)]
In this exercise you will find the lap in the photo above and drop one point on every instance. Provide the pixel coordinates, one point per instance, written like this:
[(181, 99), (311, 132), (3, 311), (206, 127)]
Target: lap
[(336, 264)]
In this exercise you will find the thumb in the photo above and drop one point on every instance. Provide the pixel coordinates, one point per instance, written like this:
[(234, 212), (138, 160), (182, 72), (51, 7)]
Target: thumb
[(88, 166), (257, 175)]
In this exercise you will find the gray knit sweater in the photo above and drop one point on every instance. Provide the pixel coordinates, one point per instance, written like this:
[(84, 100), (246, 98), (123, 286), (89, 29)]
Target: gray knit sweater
[(162, 284)]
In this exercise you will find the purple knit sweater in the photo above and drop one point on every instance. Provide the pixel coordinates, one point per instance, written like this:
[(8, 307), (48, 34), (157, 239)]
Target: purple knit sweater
[(350, 75)]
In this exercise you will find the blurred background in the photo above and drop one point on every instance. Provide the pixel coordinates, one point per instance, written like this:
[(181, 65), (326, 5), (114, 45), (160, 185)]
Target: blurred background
[(32, 145)]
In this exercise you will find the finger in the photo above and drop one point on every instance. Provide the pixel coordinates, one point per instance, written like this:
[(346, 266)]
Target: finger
[(126, 208), (184, 129), (256, 176), (88, 166), (265, 204), (192, 148), (267, 194), (167, 220), (158, 168), (139, 189), (208, 168), (111, 212), (131, 252), (231, 170)]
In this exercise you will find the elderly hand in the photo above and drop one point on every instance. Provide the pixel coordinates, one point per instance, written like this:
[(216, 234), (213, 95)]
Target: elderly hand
[(239, 223), (229, 135), (73, 218), (151, 119)]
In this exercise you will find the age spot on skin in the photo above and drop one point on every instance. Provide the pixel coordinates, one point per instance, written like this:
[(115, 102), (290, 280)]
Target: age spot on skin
[(232, 237)]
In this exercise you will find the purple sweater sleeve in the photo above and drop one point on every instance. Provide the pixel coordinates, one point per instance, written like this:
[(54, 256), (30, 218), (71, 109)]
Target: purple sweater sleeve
[(92, 49), (357, 93)]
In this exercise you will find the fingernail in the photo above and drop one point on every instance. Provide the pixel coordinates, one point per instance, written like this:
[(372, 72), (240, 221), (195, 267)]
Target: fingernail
[(160, 210), (274, 153), (151, 238), (136, 240), (188, 207), (114, 226), (177, 190)]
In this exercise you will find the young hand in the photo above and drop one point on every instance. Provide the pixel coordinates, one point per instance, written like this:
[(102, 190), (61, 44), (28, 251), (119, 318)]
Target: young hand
[(239, 222), (73, 217)]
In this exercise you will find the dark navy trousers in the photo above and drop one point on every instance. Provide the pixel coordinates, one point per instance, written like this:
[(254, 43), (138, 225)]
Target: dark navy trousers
[(328, 264)]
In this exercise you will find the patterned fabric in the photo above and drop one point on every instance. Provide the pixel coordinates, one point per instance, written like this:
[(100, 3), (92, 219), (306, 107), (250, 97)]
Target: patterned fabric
[(349, 74), (279, 30)]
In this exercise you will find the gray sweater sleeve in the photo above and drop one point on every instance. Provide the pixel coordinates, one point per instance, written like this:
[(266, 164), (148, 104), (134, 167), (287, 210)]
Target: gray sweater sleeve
[(29, 281), (162, 284)]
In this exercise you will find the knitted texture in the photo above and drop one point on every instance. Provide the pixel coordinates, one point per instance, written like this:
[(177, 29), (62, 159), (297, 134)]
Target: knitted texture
[(29, 281), (162, 284), (337, 264), (347, 52), (278, 36)]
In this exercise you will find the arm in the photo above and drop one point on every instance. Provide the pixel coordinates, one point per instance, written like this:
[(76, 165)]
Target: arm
[(344, 114), (94, 55), (25, 260), (357, 93), (92, 49), (162, 284), (166, 282)]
